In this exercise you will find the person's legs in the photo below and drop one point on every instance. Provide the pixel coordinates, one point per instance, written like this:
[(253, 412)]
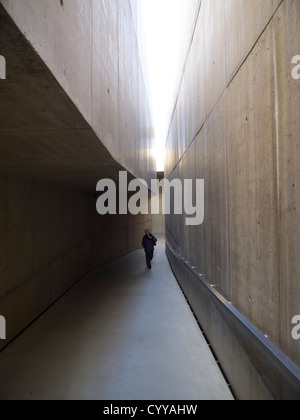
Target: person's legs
[(149, 259)]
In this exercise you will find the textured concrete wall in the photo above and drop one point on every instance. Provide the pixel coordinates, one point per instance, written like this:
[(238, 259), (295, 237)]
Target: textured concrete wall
[(49, 238), (60, 133), (90, 47), (236, 126)]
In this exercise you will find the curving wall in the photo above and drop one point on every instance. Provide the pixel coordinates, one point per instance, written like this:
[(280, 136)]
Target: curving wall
[(73, 110), (236, 125)]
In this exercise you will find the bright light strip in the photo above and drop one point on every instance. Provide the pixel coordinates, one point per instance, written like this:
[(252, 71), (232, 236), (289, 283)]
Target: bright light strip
[(162, 26)]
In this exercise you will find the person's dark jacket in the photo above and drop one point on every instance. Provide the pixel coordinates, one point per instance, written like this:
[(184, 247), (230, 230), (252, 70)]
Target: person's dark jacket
[(149, 243)]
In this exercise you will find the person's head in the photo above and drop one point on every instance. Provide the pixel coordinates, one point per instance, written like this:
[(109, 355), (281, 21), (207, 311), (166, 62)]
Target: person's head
[(147, 232)]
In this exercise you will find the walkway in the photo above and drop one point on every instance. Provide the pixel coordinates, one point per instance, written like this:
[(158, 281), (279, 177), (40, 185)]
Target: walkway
[(122, 333)]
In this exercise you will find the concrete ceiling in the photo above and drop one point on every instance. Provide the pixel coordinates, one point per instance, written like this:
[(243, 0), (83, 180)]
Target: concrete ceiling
[(43, 137)]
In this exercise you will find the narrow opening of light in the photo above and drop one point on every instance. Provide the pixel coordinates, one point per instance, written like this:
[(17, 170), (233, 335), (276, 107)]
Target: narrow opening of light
[(161, 26)]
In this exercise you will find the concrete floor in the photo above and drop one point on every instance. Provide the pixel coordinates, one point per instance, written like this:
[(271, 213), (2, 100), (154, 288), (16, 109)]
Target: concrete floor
[(122, 333)]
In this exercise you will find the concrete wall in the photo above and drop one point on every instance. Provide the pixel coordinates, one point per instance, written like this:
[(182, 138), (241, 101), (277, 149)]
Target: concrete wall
[(49, 238), (236, 125), (90, 46), (65, 125)]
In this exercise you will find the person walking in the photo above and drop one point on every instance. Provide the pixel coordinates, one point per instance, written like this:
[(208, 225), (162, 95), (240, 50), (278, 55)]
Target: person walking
[(149, 242)]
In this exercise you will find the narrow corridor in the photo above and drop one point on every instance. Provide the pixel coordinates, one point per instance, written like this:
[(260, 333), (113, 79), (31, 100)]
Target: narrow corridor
[(121, 333)]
